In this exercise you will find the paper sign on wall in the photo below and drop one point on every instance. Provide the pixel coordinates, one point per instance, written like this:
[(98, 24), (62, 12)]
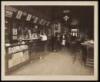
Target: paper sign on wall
[(19, 14), (36, 19), (28, 17), (9, 14)]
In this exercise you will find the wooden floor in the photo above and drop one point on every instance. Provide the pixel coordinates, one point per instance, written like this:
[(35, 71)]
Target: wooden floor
[(62, 62)]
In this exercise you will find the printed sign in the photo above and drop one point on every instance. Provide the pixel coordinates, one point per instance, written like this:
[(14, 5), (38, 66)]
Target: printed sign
[(48, 23), (14, 31), (41, 21), (28, 17), (19, 14), (15, 49), (36, 19), (12, 9), (9, 14)]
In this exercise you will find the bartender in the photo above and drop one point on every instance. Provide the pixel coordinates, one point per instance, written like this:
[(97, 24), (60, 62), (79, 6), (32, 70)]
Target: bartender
[(44, 40)]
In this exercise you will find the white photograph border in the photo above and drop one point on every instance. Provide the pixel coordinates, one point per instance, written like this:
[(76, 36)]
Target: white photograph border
[(53, 77)]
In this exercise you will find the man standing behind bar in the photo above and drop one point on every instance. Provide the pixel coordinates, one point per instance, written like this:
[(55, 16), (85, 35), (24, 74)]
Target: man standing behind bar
[(44, 41)]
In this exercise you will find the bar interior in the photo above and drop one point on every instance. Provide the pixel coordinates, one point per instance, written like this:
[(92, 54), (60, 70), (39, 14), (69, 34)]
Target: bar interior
[(55, 34)]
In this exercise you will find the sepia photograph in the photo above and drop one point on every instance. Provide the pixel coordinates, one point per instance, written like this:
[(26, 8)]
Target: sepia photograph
[(50, 40)]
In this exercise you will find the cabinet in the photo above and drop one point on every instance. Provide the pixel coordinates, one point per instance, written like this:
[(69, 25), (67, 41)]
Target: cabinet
[(16, 56), (89, 53)]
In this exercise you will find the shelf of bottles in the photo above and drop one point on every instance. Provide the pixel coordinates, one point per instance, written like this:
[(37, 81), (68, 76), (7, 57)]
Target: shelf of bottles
[(24, 25)]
